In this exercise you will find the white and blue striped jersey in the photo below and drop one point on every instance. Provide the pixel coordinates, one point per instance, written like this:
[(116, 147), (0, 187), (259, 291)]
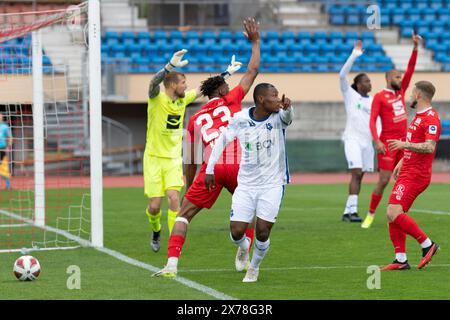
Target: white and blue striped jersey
[(263, 143)]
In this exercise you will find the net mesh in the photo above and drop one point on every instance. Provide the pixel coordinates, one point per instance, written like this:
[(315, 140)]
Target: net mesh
[(66, 156)]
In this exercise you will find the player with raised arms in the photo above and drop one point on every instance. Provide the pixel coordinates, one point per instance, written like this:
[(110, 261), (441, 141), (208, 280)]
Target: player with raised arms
[(389, 105), (263, 172), (206, 125), (413, 175), (163, 164), (357, 137)]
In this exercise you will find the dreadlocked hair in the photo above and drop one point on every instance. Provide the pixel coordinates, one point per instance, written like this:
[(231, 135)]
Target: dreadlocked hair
[(210, 85)]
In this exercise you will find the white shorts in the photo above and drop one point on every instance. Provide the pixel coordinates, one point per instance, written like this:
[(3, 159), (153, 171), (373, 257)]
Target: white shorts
[(359, 155), (264, 202)]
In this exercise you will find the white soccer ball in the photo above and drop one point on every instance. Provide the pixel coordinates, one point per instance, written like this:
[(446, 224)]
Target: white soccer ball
[(27, 268)]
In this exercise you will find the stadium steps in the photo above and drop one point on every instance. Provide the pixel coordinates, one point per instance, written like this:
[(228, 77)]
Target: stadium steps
[(400, 54), (66, 50), (399, 49), (293, 14), (119, 14)]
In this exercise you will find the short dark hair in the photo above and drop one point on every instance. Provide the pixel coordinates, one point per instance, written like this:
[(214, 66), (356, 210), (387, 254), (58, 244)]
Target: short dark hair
[(260, 89), (357, 79), (172, 77), (211, 84), (427, 88)]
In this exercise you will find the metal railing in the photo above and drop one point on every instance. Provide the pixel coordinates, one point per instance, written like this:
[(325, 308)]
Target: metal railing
[(115, 136)]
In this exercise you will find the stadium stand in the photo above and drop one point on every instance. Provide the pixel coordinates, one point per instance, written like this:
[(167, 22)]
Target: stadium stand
[(430, 18), (210, 50), (15, 57)]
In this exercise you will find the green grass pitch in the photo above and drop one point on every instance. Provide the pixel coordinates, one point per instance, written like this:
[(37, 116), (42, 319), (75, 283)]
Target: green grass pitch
[(313, 255)]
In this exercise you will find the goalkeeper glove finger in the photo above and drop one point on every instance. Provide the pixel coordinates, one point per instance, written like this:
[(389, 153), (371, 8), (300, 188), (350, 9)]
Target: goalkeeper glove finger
[(232, 68), (176, 62)]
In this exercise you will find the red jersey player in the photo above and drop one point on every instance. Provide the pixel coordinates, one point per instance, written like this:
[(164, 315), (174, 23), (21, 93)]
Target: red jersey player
[(208, 123), (413, 175), (389, 105)]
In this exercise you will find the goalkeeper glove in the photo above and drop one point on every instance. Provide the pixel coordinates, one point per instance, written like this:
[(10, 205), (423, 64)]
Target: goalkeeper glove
[(232, 68), (176, 61)]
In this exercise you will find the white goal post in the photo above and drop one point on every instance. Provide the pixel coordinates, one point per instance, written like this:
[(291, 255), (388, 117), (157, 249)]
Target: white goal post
[(56, 161)]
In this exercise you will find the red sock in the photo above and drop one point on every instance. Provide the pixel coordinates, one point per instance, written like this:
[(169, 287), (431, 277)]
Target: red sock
[(249, 233), (409, 226), (175, 246), (398, 238), (376, 198)]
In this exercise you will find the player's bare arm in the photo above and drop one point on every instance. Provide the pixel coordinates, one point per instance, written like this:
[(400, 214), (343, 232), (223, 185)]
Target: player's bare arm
[(175, 62), (397, 169), (210, 181), (251, 27), (416, 40), (423, 147), (153, 88)]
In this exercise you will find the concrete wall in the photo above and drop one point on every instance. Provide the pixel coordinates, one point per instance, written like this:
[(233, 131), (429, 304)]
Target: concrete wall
[(311, 87)]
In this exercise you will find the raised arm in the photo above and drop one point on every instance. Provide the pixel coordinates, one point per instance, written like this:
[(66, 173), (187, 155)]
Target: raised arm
[(286, 113), (226, 137), (175, 62), (252, 34), (412, 63), (357, 51)]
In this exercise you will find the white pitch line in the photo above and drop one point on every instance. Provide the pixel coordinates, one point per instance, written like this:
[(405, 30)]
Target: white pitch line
[(194, 285), (115, 254), (294, 268), (431, 211), (14, 225)]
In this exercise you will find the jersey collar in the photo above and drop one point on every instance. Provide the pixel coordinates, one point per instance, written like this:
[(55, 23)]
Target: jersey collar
[(250, 113), (389, 90), (426, 110)]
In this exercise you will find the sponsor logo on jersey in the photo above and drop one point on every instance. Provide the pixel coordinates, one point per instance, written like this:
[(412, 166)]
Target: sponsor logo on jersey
[(431, 113), (432, 129), (248, 146), (251, 123), (269, 126), (231, 213), (418, 121), (173, 121), (399, 192), (265, 144), (408, 136)]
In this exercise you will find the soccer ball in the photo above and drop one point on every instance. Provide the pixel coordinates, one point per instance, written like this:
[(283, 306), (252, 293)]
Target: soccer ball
[(27, 268)]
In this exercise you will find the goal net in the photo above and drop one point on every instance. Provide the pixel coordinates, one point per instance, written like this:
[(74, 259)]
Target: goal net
[(50, 131)]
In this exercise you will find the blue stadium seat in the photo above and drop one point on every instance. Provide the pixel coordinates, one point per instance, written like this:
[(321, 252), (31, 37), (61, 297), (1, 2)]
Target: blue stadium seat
[(143, 35), (159, 35), (398, 15), (429, 14), (191, 34), (127, 35), (303, 35), (337, 19), (422, 4), (149, 49), (271, 35), (444, 13), (414, 14), (111, 35), (436, 4)]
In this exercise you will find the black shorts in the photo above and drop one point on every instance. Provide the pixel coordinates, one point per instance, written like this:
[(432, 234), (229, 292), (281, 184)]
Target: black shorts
[(2, 154)]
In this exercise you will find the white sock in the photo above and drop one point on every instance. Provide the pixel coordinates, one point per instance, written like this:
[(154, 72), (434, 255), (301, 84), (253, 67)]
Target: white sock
[(352, 204), (243, 243), (172, 262), (426, 243), (259, 251), (401, 257)]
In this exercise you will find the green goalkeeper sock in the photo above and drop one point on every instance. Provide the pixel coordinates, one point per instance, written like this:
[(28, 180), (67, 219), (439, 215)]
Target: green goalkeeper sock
[(155, 220), (171, 216)]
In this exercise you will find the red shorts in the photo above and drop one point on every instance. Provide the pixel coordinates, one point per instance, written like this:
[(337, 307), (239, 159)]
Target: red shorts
[(225, 176), (406, 190), (389, 160)]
